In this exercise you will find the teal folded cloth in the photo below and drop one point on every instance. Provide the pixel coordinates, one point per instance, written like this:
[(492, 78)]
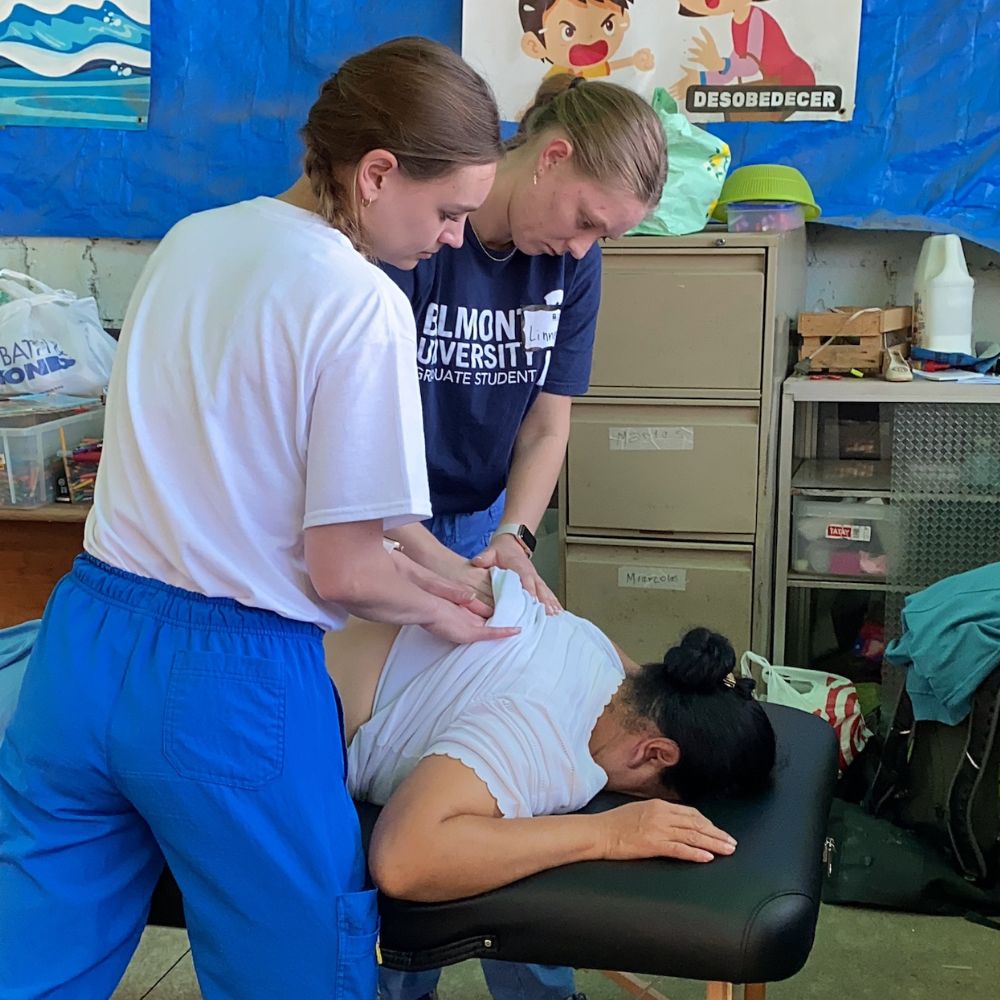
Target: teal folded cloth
[(15, 647), (950, 643)]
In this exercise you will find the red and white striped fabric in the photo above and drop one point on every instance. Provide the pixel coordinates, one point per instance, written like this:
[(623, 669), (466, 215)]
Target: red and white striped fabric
[(843, 712)]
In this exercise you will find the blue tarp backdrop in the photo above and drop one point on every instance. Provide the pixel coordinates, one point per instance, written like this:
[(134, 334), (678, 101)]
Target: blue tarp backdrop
[(232, 81)]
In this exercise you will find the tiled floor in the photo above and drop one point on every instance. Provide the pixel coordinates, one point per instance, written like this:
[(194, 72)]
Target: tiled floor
[(859, 954)]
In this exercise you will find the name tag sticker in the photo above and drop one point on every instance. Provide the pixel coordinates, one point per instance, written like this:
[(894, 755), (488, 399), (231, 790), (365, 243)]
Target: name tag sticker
[(539, 326), (652, 577), (651, 438)]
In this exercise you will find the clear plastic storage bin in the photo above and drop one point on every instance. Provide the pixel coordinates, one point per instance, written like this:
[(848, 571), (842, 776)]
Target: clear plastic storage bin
[(845, 538), (764, 216), (29, 453)]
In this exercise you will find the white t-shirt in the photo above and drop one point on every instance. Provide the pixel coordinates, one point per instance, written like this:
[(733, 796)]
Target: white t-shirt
[(518, 711), (266, 382)]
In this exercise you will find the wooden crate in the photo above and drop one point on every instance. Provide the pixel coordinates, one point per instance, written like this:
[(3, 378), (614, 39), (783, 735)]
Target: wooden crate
[(856, 336)]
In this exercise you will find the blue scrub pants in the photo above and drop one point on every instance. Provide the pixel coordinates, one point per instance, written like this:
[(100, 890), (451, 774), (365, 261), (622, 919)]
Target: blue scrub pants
[(158, 724), (468, 535)]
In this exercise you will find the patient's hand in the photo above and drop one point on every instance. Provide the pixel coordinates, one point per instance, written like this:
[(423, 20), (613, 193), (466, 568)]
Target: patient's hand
[(657, 829)]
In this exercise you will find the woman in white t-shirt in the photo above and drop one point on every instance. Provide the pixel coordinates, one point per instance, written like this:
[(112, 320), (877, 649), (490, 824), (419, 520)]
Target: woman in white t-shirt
[(263, 431), (477, 749)]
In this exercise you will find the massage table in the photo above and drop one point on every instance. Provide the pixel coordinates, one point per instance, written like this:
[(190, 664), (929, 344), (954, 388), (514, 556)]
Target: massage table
[(749, 918)]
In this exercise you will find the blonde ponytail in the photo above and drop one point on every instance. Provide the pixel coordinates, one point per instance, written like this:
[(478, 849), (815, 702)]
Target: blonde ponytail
[(616, 136)]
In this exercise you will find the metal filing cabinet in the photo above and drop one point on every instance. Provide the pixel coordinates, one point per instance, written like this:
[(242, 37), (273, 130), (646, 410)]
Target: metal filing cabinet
[(680, 319), (644, 594), (667, 497), (679, 465)]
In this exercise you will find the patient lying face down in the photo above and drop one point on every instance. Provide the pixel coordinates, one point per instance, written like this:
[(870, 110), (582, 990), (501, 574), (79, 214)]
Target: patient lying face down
[(479, 751)]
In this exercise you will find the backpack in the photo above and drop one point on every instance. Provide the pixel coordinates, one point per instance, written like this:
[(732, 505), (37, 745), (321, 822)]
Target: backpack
[(874, 863), (943, 782), (925, 837)]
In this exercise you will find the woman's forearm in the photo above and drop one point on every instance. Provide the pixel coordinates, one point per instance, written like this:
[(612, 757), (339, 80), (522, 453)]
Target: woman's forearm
[(348, 565), (465, 855), (534, 473), (441, 836), (538, 456), (422, 547), (370, 588)]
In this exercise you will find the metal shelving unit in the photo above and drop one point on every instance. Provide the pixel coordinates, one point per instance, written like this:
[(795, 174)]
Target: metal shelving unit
[(937, 466), (819, 477)]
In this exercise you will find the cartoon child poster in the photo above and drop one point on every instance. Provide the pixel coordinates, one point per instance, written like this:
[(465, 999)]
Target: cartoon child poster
[(738, 60), (580, 38)]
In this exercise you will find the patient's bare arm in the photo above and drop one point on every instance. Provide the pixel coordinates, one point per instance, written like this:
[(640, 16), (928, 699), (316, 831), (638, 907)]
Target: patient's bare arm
[(441, 836)]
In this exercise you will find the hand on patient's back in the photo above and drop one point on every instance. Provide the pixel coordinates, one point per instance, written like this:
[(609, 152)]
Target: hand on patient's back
[(456, 591), (505, 551), (459, 624), (457, 571), (462, 614), (471, 578), (463, 591), (658, 829)]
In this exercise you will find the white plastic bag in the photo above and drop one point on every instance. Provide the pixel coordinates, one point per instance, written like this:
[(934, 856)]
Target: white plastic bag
[(50, 340), (829, 696)]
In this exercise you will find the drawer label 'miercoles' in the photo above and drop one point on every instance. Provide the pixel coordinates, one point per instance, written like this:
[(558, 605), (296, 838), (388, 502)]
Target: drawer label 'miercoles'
[(651, 438), (652, 577)]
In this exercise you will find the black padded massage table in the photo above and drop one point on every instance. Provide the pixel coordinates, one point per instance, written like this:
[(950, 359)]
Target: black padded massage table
[(749, 918)]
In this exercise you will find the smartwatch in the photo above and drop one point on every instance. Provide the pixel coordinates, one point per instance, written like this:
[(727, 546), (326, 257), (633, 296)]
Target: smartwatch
[(521, 533)]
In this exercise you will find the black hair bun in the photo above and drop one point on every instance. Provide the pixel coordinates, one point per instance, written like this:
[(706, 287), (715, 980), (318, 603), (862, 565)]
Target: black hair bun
[(701, 662)]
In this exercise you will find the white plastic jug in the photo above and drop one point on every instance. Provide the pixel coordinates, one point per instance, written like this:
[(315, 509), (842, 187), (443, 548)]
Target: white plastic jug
[(942, 297)]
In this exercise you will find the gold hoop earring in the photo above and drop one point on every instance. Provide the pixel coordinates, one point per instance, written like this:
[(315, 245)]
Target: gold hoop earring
[(534, 178), (366, 202)]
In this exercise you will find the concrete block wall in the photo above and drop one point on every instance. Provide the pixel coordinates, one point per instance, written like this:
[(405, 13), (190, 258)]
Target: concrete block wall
[(845, 267)]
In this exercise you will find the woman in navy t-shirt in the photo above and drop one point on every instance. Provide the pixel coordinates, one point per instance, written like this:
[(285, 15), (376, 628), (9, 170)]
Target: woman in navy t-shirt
[(505, 335), (505, 321)]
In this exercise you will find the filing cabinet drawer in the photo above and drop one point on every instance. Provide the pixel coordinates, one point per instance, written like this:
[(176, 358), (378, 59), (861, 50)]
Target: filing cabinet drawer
[(646, 596), (685, 467), (672, 320)]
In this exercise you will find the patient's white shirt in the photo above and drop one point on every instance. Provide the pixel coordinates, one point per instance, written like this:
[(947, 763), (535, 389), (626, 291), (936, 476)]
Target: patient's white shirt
[(518, 711)]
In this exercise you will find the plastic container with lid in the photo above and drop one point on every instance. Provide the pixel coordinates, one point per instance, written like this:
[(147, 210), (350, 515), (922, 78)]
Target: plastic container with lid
[(845, 538), (766, 182), (29, 452), (765, 216)]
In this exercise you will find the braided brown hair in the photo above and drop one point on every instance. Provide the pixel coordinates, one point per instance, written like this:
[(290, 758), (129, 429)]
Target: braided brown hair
[(411, 96)]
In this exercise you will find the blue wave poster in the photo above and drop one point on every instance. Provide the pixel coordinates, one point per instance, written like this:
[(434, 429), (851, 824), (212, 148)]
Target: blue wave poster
[(82, 63)]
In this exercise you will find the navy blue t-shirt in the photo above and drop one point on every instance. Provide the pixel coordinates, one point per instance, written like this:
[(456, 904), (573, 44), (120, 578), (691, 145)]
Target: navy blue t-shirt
[(477, 379)]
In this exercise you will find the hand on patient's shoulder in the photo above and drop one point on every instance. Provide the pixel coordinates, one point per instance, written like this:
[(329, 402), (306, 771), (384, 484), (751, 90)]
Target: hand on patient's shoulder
[(461, 626), (654, 828), (461, 614), (476, 580), (505, 552), (428, 552)]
